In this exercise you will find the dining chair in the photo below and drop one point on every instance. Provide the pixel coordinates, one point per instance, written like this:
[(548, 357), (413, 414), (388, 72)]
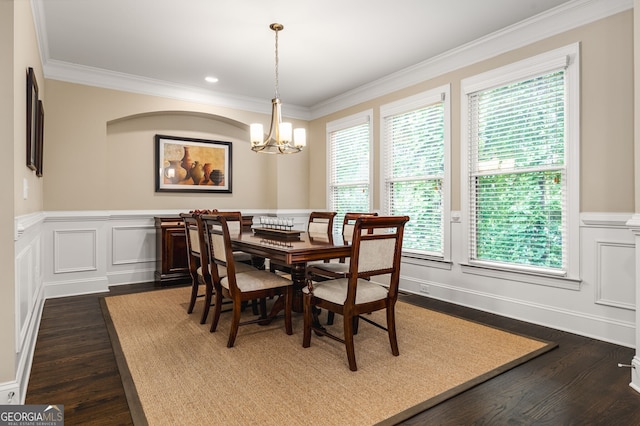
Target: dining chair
[(234, 222), (321, 271), (376, 250), (339, 268), (199, 263), (193, 256), (320, 224), (240, 287)]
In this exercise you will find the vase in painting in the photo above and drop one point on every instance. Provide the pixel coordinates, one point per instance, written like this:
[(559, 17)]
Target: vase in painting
[(208, 167), (186, 161), (216, 177), (197, 172), (174, 173)]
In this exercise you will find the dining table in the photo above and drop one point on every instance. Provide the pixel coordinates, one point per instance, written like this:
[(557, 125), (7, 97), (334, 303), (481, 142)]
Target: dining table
[(293, 248)]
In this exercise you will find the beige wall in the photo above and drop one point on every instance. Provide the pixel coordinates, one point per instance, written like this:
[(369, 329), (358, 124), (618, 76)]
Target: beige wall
[(18, 51), (99, 153), (607, 167), (7, 114), (26, 55), (636, 39)]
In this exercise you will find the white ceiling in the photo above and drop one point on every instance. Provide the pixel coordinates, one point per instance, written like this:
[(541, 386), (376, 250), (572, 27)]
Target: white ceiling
[(327, 47)]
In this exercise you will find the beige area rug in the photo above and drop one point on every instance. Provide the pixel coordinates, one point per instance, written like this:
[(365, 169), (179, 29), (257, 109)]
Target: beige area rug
[(176, 372)]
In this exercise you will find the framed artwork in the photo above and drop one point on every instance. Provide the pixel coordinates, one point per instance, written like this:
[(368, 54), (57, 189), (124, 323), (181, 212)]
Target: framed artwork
[(39, 138), (192, 165), (32, 118)]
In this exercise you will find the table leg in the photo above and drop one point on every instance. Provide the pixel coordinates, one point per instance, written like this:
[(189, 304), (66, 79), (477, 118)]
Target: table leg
[(298, 276)]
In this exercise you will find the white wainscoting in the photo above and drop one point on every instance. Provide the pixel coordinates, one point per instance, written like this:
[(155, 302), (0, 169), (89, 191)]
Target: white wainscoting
[(601, 306), (29, 294), (70, 253)]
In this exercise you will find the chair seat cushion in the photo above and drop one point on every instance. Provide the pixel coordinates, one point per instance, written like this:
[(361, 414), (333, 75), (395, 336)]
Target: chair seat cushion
[(240, 268), (335, 291), (257, 280)]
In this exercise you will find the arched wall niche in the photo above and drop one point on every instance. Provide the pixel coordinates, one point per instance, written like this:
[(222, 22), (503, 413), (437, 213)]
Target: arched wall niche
[(131, 152)]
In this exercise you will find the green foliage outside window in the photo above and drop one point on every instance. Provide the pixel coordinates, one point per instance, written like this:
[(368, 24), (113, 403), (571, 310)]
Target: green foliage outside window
[(518, 179)]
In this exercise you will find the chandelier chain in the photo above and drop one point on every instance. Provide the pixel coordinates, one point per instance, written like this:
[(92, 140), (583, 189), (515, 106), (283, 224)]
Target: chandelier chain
[(277, 95)]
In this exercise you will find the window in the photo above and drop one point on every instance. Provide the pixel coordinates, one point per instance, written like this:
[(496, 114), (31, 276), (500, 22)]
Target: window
[(520, 142), (414, 164), (349, 151)]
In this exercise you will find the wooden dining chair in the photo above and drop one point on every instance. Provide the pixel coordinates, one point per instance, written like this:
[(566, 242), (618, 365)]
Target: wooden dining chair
[(320, 271), (376, 250), (320, 224), (193, 256), (199, 263), (234, 222), (339, 268), (240, 287)]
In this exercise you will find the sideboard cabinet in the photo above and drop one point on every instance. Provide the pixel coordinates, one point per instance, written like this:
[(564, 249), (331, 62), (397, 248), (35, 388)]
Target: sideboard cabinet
[(172, 266)]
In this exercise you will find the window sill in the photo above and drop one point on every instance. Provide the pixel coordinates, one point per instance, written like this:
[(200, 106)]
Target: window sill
[(429, 261), (528, 278)]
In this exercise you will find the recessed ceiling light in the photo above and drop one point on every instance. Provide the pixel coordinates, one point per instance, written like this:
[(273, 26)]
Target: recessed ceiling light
[(211, 79)]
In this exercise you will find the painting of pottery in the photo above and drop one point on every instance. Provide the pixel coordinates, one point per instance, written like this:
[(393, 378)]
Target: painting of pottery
[(192, 165)]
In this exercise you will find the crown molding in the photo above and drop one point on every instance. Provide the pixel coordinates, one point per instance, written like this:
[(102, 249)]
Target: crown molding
[(557, 20), (97, 77)]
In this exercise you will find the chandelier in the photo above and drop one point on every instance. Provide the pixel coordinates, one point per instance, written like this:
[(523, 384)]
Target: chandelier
[(282, 138)]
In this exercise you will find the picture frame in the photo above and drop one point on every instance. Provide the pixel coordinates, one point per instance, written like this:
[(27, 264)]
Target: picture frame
[(32, 118), (40, 138), (192, 165)]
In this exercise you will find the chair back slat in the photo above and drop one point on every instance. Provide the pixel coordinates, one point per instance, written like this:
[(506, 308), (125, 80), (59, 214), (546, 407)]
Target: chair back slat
[(318, 228), (233, 220), (376, 255), (320, 222), (219, 247), (349, 223), (193, 239)]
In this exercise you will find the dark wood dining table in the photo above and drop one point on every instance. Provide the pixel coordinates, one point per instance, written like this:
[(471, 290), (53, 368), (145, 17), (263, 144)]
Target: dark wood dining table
[(294, 252)]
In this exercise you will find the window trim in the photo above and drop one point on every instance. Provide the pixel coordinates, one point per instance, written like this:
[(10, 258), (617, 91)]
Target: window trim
[(417, 101), (363, 117), (569, 57)]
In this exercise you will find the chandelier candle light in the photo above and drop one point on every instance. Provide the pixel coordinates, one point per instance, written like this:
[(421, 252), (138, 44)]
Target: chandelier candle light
[(282, 139)]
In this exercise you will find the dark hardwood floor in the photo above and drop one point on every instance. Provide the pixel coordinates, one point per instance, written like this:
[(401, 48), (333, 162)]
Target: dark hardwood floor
[(578, 383)]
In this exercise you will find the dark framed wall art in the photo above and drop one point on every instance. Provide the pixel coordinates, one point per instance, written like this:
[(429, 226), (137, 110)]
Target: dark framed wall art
[(39, 138), (32, 118), (192, 165)]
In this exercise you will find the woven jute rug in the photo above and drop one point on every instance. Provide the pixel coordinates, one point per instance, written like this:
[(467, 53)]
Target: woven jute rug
[(176, 372)]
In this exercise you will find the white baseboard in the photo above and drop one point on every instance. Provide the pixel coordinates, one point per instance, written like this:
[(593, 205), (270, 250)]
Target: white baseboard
[(605, 329), (131, 277), (75, 287), (635, 374)]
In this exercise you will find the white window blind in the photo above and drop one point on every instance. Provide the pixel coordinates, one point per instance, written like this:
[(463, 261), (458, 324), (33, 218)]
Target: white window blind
[(414, 173), (517, 174), (349, 170)]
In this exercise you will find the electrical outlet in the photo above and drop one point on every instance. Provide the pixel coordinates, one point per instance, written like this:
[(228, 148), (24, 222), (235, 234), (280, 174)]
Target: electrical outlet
[(424, 288)]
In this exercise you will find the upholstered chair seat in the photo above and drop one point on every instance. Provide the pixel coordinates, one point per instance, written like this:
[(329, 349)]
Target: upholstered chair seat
[(335, 291)]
